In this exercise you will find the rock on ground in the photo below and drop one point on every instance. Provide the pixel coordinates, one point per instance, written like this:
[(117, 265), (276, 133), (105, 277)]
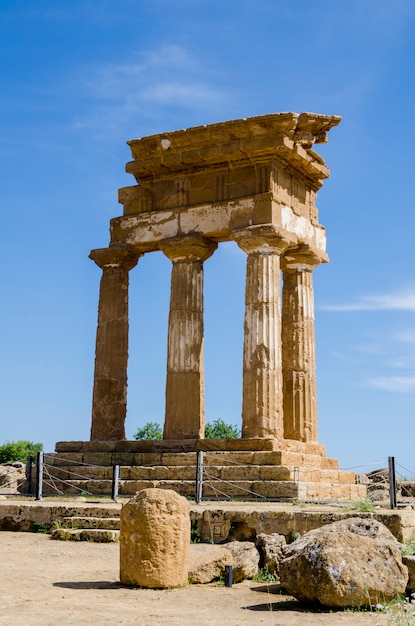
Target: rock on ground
[(154, 539), (207, 562), (245, 559), (271, 551), (409, 561), (354, 562), (12, 476)]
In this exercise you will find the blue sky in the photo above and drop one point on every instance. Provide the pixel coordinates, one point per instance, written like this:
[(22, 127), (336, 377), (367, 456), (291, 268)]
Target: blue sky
[(79, 79)]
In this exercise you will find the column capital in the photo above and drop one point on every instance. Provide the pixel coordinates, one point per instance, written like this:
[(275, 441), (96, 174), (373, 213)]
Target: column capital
[(265, 239), (302, 257), (115, 257), (188, 248)]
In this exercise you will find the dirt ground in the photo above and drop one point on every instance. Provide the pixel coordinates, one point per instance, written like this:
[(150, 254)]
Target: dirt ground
[(52, 582)]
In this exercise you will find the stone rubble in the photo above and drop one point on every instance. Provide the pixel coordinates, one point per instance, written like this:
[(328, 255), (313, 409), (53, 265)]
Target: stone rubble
[(351, 563), (207, 562), (271, 549), (245, 559)]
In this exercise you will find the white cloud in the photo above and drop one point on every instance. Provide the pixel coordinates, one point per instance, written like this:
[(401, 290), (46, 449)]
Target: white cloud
[(115, 81), (397, 384), (169, 77), (398, 301), (181, 94)]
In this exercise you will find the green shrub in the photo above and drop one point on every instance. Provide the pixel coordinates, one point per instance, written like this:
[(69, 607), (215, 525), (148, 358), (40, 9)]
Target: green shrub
[(408, 548), (218, 429), (151, 431), (18, 450), (265, 576)]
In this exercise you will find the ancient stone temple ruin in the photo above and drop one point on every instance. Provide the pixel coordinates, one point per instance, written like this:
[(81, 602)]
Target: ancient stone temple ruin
[(252, 181)]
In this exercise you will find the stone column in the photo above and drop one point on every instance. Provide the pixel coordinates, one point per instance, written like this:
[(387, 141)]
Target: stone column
[(298, 345), (109, 403), (185, 417), (262, 376)]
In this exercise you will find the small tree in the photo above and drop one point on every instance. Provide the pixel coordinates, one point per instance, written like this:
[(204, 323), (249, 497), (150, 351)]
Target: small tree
[(151, 431), (18, 450), (218, 429)]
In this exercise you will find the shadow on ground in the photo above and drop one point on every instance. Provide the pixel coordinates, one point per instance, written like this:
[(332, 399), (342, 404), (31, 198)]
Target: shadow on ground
[(287, 604), (96, 584)]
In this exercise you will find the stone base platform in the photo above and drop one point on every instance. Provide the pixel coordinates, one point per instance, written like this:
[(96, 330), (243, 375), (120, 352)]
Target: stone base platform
[(214, 521), (244, 469), (192, 445)]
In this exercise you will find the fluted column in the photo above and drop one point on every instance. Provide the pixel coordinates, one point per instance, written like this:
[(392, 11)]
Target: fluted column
[(298, 345), (185, 416), (109, 403), (262, 376)]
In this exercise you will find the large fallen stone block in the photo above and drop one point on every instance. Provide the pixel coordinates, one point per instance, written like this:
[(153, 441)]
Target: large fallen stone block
[(245, 559), (351, 563), (154, 539), (207, 562)]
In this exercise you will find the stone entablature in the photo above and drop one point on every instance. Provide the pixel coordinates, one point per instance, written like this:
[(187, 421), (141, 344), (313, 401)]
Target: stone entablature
[(221, 178), (253, 181)]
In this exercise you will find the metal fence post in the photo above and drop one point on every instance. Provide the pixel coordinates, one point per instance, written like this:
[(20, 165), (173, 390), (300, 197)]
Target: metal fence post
[(199, 477), (39, 475), (29, 465), (228, 575), (115, 482), (392, 481)]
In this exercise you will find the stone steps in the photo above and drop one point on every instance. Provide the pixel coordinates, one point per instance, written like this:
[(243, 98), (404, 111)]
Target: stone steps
[(236, 489), (87, 528), (98, 535), (90, 522), (231, 471), (187, 472), (166, 459)]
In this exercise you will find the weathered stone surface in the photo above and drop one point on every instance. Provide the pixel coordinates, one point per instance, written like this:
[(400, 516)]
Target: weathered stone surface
[(253, 181), (109, 402), (207, 562), (12, 477), (97, 535), (355, 562), (245, 559), (154, 539), (185, 417), (271, 551), (409, 562), (262, 414), (298, 345)]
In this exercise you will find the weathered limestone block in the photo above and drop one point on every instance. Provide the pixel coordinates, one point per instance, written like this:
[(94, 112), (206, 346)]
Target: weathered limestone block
[(207, 562), (271, 551), (354, 562), (409, 562), (12, 477), (245, 559), (154, 539)]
